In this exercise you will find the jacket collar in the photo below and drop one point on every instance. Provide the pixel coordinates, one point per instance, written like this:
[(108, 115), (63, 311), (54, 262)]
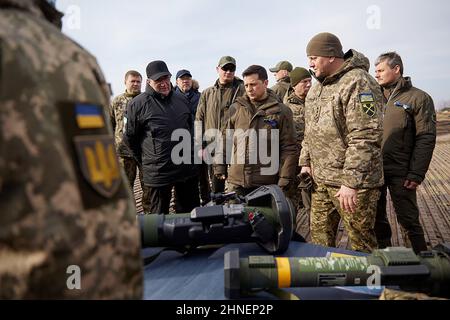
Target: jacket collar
[(270, 105), (235, 83)]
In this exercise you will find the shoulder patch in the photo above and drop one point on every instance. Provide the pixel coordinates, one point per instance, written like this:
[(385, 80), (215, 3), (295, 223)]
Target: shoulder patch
[(99, 164), (89, 116), (366, 97), (368, 104)]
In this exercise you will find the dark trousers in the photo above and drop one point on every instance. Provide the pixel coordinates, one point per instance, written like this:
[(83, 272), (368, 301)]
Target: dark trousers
[(205, 188), (186, 197), (405, 205), (218, 185)]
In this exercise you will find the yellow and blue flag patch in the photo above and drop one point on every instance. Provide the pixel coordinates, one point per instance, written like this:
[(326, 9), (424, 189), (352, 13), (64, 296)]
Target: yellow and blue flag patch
[(368, 104), (89, 116)]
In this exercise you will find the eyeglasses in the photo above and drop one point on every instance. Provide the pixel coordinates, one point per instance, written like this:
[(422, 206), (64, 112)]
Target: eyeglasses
[(229, 67)]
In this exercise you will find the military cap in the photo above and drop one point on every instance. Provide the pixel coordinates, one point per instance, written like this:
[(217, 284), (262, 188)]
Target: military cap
[(226, 60), (325, 45), (299, 74), (157, 69), (282, 65)]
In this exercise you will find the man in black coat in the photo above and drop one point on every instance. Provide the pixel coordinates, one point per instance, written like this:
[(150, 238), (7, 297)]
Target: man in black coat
[(185, 86), (151, 120)]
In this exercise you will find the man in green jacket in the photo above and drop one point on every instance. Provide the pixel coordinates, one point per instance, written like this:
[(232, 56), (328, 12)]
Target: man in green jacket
[(281, 72), (409, 139), (258, 122), (213, 107), (342, 144)]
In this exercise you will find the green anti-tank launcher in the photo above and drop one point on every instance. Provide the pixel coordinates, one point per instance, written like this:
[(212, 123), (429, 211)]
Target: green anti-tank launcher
[(428, 272), (264, 216)]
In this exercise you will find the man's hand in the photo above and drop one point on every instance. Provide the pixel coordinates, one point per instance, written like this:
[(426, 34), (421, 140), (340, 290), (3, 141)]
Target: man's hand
[(411, 185), (347, 198), (306, 170)]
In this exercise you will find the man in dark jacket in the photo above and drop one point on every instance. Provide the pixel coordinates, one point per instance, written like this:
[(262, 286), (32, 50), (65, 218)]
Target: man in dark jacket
[(409, 137), (185, 86), (152, 118)]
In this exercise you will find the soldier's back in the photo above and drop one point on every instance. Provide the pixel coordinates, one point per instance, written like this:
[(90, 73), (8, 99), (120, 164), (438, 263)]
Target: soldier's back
[(65, 210)]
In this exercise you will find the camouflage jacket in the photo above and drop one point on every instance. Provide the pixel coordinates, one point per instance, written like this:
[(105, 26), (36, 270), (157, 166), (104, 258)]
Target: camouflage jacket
[(269, 115), (297, 106), (282, 87), (213, 107), (343, 130), (117, 110), (409, 128), (65, 208)]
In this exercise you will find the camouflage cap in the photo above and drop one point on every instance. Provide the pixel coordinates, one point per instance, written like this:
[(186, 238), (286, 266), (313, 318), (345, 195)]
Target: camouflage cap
[(282, 65), (226, 60), (325, 45), (299, 74)]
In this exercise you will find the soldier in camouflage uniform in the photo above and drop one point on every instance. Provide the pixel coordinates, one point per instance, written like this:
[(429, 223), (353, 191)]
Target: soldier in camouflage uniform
[(300, 193), (64, 204), (342, 145), (118, 107), (281, 72)]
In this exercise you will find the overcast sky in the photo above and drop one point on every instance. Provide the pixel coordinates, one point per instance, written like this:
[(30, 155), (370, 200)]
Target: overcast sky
[(194, 34)]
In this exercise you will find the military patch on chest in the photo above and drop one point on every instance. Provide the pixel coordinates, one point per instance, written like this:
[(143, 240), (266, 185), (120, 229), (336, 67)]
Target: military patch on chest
[(368, 104), (99, 164), (273, 123)]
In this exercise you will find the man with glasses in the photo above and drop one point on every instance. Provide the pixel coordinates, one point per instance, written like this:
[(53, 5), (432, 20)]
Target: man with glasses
[(152, 117), (213, 108)]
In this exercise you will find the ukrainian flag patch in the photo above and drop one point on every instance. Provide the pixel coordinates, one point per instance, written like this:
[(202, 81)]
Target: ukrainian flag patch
[(89, 116), (368, 104)]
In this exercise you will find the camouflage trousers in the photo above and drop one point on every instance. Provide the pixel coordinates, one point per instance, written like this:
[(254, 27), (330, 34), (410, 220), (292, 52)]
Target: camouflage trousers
[(130, 166), (359, 225)]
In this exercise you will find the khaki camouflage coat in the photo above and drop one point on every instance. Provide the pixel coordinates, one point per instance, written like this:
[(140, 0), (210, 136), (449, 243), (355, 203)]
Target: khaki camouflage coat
[(344, 130), (56, 221), (297, 106), (117, 109)]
